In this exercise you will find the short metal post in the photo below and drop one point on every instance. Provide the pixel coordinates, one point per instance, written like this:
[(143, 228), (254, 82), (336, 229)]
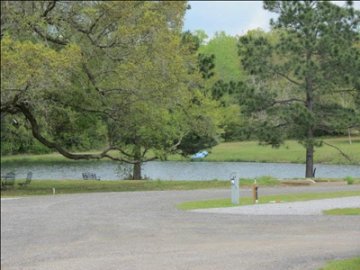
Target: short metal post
[(255, 192)]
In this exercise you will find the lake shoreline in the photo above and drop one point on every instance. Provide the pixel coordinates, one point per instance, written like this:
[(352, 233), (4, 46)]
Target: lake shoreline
[(15, 159), (174, 170), (70, 161)]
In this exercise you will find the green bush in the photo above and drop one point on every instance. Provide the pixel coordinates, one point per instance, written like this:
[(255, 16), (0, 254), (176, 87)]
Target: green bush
[(349, 180)]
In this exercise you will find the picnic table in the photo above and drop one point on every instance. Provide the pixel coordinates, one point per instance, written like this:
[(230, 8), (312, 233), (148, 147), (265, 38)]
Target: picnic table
[(90, 176), (8, 180)]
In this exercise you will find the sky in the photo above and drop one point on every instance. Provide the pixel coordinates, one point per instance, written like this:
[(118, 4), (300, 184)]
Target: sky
[(233, 17)]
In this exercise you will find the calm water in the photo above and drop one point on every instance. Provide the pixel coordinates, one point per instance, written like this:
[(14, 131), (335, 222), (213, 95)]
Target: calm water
[(180, 170)]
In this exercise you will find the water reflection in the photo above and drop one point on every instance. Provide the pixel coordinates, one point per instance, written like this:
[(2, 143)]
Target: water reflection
[(179, 170)]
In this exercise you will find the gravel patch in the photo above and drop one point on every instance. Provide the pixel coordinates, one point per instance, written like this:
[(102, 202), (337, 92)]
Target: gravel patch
[(313, 207), (145, 231)]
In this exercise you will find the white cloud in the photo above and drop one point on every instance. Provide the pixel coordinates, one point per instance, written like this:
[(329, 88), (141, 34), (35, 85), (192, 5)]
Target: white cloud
[(233, 17)]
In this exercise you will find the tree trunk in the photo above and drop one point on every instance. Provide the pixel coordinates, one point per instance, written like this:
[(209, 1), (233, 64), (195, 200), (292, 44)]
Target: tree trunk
[(137, 171), (349, 134), (309, 172), (309, 161), (137, 165)]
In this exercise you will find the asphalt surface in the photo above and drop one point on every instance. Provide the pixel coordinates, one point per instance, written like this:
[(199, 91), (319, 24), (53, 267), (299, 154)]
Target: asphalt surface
[(144, 230)]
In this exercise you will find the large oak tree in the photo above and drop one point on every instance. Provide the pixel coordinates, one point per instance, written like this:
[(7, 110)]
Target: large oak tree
[(122, 63)]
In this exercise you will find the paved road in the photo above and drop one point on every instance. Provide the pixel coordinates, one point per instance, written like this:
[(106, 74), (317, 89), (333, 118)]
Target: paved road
[(143, 230)]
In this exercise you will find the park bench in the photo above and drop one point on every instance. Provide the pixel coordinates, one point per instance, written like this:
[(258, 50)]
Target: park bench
[(27, 181), (90, 176), (8, 180)]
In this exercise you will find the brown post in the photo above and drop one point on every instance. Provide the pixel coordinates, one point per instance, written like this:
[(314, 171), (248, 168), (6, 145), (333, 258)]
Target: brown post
[(255, 192)]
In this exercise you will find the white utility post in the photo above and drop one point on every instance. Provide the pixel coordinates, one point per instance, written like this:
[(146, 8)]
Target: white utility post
[(235, 191)]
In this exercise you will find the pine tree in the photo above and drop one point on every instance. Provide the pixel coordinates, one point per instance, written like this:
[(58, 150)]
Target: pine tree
[(301, 76)]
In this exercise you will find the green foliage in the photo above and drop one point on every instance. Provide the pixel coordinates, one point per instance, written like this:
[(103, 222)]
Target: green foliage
[(227, 64), (193, 143), (301, 72), (192, 42), (41, 67), (206, 64), (16, 139), (221, 80), (201, 36), (96, 73), (280, 58), (349, 180)]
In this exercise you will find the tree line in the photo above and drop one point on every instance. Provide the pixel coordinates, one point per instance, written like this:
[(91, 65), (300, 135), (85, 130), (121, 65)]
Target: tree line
[(123, 77)]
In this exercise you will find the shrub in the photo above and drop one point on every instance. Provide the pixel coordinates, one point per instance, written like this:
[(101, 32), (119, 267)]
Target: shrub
[(349, 180)]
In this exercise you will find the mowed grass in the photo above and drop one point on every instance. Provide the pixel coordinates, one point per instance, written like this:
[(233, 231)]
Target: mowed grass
[(44, 187), (343, 212), (217, 203), (290, 152), (348, 264)]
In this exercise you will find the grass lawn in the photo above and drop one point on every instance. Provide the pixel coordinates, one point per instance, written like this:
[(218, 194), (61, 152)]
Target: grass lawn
[(290, 152), (266, 199), (348, 264), (44, 187), (343, 211)]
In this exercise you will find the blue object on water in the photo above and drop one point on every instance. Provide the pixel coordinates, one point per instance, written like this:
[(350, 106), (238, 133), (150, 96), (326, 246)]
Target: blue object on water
[(200, 155)]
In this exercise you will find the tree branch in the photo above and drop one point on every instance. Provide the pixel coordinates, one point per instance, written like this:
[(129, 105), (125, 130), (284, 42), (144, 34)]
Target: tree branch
[(341, 152), (50, 7), (148, 159), (10, 106), (287, 78), (287, 101), (345, 90), (92, 79), (52, 145), (122, 151)]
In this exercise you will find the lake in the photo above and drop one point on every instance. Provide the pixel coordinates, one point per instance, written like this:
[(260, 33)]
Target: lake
[(173, 170)]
